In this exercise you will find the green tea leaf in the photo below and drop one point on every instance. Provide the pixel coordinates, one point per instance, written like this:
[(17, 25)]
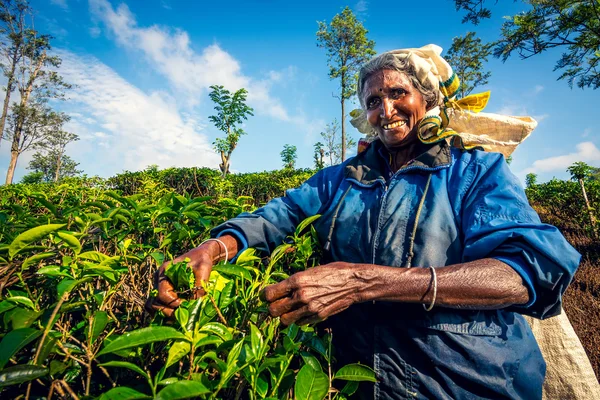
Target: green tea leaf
[(125, 364), (14, 341), (26, 301), (311, 360), (233, 270), (70, 241), (141, 337), (182, 390), (21, 373), (21, 317), (302, 225), (99, 322), (218, 329), (6, 305), (177, 351), (30, 236), (66, 285), (52, 271), (57, 367), (311, 384), (356, 372), (123, 393), (35, 259), (350, 388), (94, 256)]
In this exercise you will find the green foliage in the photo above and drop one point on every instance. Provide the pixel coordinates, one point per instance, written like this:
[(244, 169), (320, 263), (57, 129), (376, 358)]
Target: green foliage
[(332, 147), (51, 159), (579, 171), (345, 40), (77, 260), (198, 182), (571, 25), (530, 180), (319, 154), (289, 156), (466, 56), (33, 177), (231, 112)]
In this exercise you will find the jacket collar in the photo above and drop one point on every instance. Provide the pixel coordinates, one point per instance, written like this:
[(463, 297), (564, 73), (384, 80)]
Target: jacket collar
[(369, 166)]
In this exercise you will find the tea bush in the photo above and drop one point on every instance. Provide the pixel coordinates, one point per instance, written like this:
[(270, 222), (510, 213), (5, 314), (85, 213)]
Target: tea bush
[(76, 262)]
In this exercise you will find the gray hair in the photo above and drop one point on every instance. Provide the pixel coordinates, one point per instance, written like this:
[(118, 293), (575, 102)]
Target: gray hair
[(430, 94)]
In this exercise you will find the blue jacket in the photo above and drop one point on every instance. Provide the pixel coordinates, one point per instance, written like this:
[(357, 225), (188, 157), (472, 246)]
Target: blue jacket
[(445, 207)]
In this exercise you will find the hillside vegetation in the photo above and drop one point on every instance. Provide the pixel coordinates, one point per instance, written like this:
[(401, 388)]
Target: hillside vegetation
[(76, 264)]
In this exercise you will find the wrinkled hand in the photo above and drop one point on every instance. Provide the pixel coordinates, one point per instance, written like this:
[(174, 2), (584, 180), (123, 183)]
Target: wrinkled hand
[(315, 294), (201, 261)]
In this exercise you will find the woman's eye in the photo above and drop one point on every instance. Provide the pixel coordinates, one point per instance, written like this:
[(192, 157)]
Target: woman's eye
[(396, 93), (372, 103)]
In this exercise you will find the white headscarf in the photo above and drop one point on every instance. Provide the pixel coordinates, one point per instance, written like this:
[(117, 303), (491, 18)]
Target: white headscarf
[(461, 119)]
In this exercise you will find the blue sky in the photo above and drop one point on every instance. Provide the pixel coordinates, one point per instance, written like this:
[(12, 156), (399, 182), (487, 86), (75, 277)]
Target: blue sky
[(142, 69)]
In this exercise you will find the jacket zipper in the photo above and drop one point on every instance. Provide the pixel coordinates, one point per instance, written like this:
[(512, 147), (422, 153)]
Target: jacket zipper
[(384, 198)]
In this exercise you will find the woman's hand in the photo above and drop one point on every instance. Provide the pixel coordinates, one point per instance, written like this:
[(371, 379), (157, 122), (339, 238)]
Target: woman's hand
[(201, 260), (315, 294)]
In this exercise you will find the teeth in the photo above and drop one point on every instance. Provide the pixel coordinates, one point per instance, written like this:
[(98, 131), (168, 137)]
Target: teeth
[(394, 125)]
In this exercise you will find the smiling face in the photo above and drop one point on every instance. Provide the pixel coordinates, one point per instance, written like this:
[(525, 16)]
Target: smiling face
[(394, 107)]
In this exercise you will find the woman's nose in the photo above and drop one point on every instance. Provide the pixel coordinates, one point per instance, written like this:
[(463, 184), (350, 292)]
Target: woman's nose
[(387, 108)]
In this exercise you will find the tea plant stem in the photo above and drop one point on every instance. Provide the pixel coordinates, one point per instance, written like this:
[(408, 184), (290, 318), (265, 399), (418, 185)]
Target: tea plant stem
[(221, 317), (280, 377), (46, 331)]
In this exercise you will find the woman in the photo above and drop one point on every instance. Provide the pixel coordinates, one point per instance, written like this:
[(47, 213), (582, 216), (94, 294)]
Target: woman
[(449, 327)]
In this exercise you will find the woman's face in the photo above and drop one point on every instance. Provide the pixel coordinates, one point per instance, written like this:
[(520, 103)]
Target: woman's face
[(394, 107)]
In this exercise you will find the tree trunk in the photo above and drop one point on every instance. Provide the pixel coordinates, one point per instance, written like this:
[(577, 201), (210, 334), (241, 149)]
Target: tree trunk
[(9, 89), (343, 130), (589, 208), (224, 166), (15, 150), (57, 172), (14, 156)]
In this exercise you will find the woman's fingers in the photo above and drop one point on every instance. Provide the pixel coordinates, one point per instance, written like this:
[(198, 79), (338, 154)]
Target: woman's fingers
[(292, 316), (282, 306), (276, 291), (202, 274), (166, 294)]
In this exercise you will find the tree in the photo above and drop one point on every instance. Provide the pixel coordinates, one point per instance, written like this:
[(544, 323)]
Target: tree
[(289, 156), (332, 144), (28, 126), (579, 172), (319, 154), (53, 166), (530, 180), (37, 82), (466, 56), (345, 40), (52, 160), (13, 33), (231, 111), (572, 25)]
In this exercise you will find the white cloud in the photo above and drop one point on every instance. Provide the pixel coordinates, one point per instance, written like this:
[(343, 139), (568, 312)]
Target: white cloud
[(586, 132), (95, 32), (586, 152), (361, 6), (170, 52), (537, 89), (60, 3), (138, 129), (541, 117)]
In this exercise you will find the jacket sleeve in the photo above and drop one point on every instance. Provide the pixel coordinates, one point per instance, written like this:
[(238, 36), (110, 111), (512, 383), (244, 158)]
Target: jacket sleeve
[(498, 222), (268, 226)]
